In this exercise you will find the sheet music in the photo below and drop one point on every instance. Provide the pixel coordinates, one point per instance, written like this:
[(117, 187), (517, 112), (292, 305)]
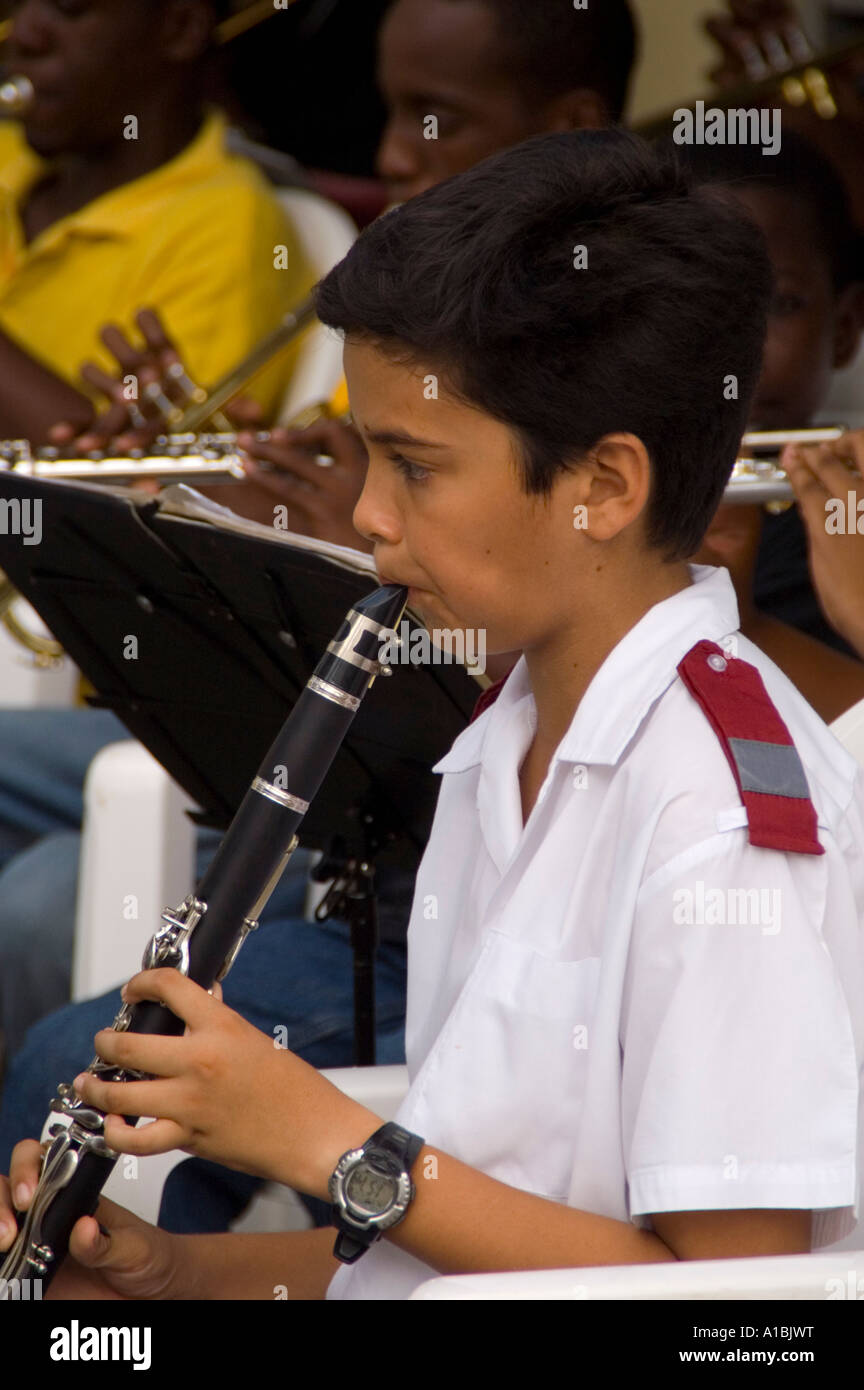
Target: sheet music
[(182, 500)]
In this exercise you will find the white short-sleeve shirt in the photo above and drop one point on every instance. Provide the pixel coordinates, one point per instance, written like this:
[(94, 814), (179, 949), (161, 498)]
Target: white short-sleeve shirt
[(622, 1005)]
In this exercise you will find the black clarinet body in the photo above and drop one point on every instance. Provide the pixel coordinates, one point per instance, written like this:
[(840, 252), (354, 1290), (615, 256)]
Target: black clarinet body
[(202, 937)]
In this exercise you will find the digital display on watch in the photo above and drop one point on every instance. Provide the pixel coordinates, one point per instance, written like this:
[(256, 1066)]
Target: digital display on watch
[(370, 1191)]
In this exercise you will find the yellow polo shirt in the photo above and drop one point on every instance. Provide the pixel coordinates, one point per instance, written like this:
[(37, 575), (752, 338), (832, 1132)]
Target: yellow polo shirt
[(195, 239)]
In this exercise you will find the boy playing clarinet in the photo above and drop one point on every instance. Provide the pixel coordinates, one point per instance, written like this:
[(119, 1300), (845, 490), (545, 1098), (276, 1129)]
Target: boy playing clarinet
[(636, 973)]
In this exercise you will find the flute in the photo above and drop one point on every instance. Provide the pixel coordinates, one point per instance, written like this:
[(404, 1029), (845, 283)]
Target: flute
[(171, 458), (756, 478), (201, 938)]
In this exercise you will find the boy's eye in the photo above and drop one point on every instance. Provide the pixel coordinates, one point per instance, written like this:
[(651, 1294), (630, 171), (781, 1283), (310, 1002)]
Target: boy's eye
[(412, 471), (450, 123)]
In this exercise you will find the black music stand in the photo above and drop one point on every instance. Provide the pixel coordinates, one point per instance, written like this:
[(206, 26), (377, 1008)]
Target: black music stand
[(228, 626)]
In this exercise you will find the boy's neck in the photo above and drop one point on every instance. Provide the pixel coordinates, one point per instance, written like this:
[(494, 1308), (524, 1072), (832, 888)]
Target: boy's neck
[(74, 180), (562, 670)]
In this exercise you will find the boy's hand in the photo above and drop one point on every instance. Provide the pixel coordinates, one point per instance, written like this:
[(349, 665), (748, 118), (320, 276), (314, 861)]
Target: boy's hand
[(320, 500), (224, 1091), (113, 1255), (818, 473), (756, 38), (142, 417)]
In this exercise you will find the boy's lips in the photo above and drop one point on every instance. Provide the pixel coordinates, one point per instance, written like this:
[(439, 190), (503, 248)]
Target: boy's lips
[(387, 578)]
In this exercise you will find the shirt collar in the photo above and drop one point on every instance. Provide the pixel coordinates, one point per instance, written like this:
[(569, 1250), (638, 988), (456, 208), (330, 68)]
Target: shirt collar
[(119, 211), (634, 675)]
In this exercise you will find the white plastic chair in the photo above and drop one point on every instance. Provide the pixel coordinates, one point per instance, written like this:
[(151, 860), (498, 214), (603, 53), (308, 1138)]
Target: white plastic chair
[(770, 1277), (23, 683), (137, 858), (326, 234)]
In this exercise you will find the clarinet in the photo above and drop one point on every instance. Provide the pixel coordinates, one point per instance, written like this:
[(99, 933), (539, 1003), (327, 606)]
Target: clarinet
[(202, 937)]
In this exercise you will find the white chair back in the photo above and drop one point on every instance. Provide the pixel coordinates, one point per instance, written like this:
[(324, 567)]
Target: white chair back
[(24, 684), (326, 234)]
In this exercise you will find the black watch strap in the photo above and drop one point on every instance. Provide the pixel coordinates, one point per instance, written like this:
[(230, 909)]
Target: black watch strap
[(401, 1145)]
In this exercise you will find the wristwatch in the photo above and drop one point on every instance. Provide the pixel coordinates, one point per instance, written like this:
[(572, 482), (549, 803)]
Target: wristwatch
[(371, 1189)]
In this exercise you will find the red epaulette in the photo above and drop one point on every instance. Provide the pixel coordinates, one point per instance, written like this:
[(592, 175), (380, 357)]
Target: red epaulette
[(488, 697), (758, 746)]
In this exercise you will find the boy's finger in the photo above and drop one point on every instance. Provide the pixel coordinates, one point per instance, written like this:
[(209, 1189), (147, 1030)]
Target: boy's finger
[(129, 357), (61, 433), (112, 1249), (332, 437), (147, 1052), (154, 332), (180, 994), (108, 385), (132, 1098), (245, 411), (157, 1137), (8, 1224), (829, 465), (24, 1168)]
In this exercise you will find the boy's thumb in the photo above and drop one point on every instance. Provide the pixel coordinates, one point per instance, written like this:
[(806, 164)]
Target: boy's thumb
[(122, 1250), (93, 1247)]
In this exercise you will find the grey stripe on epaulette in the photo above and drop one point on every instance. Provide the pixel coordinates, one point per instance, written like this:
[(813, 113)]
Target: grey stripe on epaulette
[(771, 768)]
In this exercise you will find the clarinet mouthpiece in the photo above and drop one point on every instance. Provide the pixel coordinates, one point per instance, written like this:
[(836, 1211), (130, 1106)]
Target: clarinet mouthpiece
[(384, 605)]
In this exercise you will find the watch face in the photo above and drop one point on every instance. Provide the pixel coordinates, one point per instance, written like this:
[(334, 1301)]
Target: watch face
[(370, 1191)]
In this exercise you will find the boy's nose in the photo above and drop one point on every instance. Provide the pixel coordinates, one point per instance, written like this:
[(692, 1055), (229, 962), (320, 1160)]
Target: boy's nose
[(399, 161), (375, 515)]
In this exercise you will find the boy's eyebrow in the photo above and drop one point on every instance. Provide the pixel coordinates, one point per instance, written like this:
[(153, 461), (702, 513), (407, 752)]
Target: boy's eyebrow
[(400, 437)]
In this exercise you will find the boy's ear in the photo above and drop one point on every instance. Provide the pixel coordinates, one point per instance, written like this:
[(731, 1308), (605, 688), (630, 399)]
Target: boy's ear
[(187, 31), (848, 324)]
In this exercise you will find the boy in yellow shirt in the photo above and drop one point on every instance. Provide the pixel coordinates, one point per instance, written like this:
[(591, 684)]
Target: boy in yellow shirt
[(117, 192)]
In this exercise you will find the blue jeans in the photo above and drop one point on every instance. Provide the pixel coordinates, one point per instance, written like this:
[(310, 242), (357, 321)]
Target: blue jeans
[(44, 756)]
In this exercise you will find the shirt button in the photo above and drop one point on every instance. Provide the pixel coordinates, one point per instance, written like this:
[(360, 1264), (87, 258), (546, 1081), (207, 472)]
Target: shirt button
[(717, 662)]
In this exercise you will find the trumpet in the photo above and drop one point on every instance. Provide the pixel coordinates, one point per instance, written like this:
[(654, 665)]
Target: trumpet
[(800, 79), (209, 404), (16, 94), (756, 477)]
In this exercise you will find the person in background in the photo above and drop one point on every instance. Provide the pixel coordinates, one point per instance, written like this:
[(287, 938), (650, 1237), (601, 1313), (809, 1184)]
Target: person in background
[(461, 79), (117, 194), (756, 38), (814, 328), (828, 486)]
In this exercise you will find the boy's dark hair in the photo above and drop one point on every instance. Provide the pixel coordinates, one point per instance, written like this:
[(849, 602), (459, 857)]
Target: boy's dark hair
[(552, 47), (477, 278), (800, 169)]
